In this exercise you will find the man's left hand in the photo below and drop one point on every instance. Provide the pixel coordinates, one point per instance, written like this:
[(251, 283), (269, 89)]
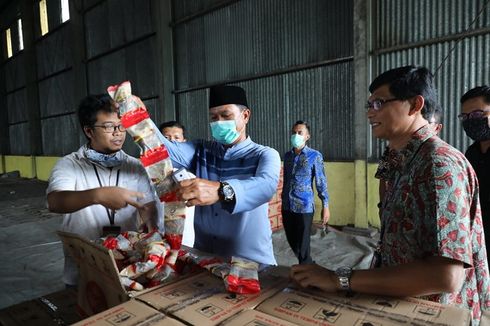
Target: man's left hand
[(198, 192), (325, 215), (313, 275)]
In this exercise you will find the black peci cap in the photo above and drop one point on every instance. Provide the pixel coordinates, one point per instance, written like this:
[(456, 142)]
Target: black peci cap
[(223, 95)]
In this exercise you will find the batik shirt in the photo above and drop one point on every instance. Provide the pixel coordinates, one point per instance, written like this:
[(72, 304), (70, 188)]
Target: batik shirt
[(299, 172), (432, 209)]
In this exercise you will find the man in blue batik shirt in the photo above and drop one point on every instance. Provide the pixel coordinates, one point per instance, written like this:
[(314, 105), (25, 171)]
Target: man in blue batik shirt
[(236, 178), (301, 165)]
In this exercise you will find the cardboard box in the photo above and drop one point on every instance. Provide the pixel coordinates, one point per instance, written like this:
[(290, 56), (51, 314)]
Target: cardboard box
[(275, 209), (254, 317), (99, 285), (203, 299), (273, 222), (130, 313), (57, 308), (305, 308)]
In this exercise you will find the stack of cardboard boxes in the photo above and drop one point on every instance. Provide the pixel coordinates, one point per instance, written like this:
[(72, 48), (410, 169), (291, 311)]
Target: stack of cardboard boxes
[(275, 216), (200, 298)]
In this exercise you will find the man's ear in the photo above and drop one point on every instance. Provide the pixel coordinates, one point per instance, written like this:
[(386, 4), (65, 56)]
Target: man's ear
[(88, 132), (417, 103), (246, 115)]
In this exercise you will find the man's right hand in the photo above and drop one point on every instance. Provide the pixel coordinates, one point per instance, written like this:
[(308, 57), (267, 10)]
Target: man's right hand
[(117, 197)]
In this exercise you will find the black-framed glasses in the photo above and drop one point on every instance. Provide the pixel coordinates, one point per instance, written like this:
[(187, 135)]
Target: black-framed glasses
[(111, 128), (378, 103), (473, 114)]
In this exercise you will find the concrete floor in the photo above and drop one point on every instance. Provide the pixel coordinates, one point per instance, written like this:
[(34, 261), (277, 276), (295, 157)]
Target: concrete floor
[(31, 256)]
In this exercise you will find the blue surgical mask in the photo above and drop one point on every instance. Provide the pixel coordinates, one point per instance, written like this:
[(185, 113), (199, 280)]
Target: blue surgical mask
[(297, 140), (224, 131)]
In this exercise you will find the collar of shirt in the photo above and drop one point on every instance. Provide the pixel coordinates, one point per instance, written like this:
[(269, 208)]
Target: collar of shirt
[(237, 150), (393, 160), (303, 150)]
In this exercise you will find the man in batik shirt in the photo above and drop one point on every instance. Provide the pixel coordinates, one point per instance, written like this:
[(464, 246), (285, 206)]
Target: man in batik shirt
[(302, 165), (432, 239)]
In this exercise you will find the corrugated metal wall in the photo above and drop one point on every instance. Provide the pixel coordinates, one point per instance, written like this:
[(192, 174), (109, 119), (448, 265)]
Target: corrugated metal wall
[(423, 33), (294, 58), (118, 41)]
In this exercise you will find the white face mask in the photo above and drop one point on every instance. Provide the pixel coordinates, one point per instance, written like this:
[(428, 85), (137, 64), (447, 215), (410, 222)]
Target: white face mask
[(297, 141)]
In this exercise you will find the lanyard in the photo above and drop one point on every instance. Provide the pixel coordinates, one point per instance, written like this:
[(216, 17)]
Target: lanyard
[(110, 213)]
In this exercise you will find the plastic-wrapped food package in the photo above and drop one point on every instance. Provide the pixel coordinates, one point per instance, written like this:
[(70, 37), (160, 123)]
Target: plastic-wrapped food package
[(159, 168), (143, 260), (144, 132), (156, 160), (213, 264), (121, 94), (243, 277)]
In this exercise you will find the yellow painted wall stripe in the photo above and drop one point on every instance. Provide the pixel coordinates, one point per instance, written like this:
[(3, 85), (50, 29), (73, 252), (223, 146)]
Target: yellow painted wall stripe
[(24, 164), (44, 165)]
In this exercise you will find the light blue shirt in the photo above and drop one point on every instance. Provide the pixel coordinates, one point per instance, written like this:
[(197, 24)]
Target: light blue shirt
[(252, 170)]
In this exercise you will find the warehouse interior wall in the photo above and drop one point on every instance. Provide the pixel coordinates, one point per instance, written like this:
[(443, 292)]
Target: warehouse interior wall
[(310, 60)]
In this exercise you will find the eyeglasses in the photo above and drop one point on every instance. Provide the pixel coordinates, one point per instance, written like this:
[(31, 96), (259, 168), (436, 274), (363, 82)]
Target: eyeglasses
[(378, 103), (473, 114), (111, 128)]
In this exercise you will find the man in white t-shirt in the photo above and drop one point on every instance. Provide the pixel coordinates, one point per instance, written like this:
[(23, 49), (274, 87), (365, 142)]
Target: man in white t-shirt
[(99, 187)]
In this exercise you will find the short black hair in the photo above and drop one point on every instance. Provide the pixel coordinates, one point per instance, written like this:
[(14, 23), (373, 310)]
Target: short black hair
[(479, 91), (170, 124), (301, 122), (91, 105), (407, 82)]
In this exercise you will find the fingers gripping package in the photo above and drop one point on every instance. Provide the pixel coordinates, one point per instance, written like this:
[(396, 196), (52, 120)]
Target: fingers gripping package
[(155, 158)]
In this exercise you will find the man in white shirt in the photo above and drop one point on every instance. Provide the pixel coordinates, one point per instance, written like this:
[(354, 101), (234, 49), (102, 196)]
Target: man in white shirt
[(100, 187)]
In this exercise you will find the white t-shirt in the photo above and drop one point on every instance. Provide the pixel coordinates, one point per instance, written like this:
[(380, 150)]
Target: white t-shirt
[(75, 172)]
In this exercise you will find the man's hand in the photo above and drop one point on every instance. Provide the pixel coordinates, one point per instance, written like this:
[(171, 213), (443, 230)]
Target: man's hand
[(313, 275), (117, 197), (325, 215), (198, 192), (111, 197)]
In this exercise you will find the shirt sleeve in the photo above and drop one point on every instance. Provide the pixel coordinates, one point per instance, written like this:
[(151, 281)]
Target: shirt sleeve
[(62, 177), (259, 189), (182, 154), (451, 198), (321, 179)]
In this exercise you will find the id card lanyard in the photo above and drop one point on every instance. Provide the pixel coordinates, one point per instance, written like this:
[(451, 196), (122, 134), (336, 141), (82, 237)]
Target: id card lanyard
[(110, 213)]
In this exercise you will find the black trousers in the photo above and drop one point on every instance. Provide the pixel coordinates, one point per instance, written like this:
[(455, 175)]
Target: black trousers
[(298, 227)]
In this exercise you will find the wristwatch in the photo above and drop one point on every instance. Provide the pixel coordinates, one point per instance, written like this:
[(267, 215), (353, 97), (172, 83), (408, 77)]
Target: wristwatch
[(226, 192), (344, 274)]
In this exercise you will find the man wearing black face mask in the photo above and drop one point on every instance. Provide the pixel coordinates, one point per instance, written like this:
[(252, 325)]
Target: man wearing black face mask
[(475, 107)]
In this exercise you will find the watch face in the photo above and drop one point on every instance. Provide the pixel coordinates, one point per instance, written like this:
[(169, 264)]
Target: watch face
[(228, 191), (344, 271)]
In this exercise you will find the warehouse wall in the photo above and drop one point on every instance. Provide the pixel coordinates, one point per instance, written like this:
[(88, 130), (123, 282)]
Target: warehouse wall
[(427, 33), (294, 58), (310, 60), (103, 43)]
